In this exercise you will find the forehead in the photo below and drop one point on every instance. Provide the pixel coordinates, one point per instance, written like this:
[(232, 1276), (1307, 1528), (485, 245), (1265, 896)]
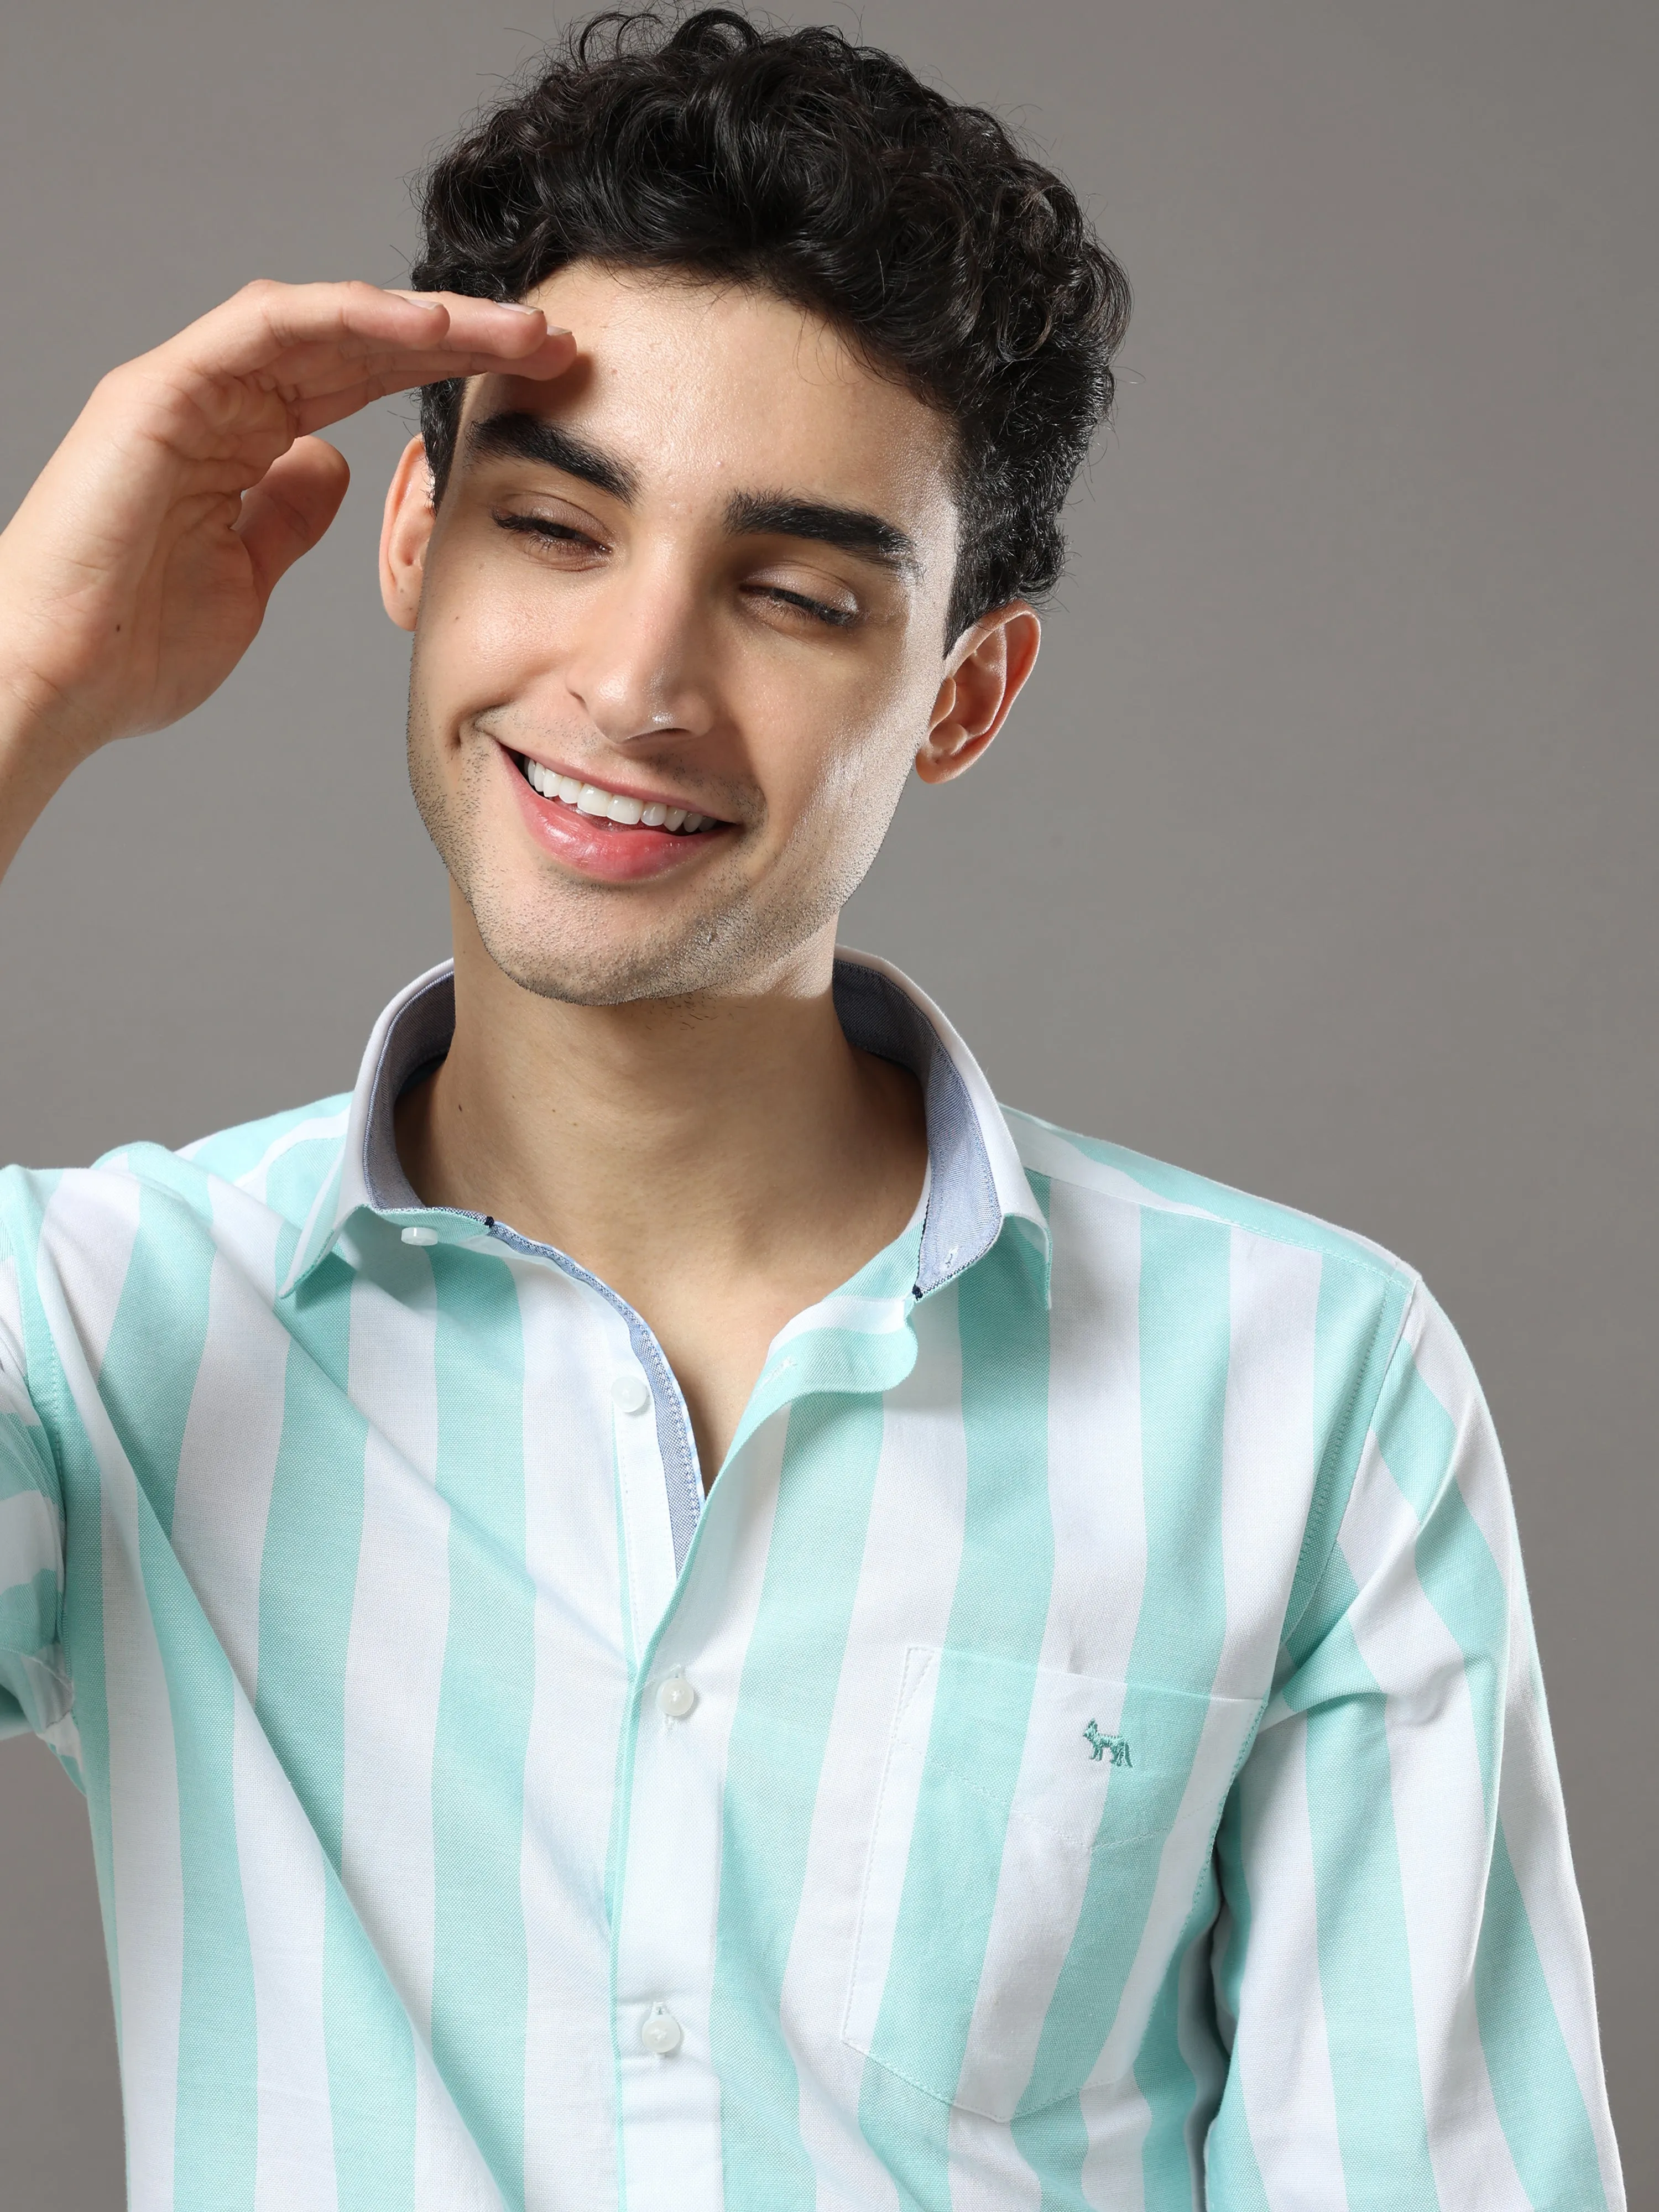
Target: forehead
[(707, 390)]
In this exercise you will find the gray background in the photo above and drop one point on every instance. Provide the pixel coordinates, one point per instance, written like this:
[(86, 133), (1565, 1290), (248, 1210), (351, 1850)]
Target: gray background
[(1320, 856)]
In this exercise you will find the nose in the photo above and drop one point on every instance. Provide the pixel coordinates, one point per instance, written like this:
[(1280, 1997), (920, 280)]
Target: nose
[(641, 664)]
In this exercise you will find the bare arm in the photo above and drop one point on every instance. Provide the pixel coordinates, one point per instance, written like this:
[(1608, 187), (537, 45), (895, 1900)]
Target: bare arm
[(135, 572)]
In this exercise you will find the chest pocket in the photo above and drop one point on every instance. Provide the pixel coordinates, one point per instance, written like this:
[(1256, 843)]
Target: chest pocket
[(1038, 1842)]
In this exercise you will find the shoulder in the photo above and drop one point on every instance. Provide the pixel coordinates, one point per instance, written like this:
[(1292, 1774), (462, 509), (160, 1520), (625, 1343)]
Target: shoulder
[(1115, 1177), (278, 1163)]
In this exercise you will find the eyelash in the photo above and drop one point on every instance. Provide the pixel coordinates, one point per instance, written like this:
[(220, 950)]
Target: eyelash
[(560, 533)]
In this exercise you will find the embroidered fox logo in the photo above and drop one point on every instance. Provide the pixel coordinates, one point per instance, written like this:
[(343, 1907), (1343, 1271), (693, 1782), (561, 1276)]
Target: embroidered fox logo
[(1100, 1745)]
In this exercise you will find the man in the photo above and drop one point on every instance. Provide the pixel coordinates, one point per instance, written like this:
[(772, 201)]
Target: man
[(663, 1606)]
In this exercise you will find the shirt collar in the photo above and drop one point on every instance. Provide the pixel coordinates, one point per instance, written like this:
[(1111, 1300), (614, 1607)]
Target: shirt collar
[(978, 1182)]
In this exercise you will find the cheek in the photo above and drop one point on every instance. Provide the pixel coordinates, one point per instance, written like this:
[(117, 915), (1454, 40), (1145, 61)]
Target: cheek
[(483, 637)]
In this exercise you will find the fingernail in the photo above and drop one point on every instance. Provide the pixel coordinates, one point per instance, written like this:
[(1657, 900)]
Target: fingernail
[(519, 309)]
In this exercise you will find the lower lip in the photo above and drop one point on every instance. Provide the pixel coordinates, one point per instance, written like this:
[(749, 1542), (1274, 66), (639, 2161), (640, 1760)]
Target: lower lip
[(601, 849)]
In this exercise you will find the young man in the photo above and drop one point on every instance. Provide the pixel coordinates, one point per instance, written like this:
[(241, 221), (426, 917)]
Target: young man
[(664, 1605)]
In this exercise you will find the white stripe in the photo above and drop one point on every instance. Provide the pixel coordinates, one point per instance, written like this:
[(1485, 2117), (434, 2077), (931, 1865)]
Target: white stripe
[(858, 1316), (1268, 1449), (1115, 2118), (1440, 1830), (573, 1340), (14, 1368), (670, 2114), (890, 1846), (1281, 2054), (1097, 1498), (917, 1510), (233, 1432), (284, 1894), (86, 1247), (394, 1665)]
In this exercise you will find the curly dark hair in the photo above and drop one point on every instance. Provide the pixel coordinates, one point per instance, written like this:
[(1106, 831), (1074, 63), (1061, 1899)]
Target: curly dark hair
[(827, 173)]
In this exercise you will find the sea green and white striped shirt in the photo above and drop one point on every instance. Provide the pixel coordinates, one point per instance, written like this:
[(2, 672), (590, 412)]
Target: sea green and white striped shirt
[(1086, 1750)]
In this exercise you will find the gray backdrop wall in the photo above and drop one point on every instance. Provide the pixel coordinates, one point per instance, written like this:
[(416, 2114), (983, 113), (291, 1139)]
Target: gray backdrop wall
[(1321, 857)]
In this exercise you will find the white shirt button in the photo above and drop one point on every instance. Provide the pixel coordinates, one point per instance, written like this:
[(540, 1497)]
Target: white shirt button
[(675, 1697), (661, 2032), (417, 1235), (630, 1394)]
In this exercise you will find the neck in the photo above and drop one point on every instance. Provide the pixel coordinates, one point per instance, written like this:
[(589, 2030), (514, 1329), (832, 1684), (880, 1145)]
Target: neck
[(724, 1133)]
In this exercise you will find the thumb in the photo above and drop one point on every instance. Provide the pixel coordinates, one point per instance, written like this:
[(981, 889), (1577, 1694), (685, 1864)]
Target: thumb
[(291, 506)]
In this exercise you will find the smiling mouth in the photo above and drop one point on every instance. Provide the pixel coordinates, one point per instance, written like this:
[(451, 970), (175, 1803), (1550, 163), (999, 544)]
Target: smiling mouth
[(614, 807)]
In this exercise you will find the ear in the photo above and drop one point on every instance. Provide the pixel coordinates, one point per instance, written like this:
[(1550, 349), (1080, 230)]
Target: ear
[(984, 672), (405, 529)]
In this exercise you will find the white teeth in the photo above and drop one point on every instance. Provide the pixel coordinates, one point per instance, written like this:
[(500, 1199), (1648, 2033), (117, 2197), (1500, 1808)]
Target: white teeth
[(611, 805)]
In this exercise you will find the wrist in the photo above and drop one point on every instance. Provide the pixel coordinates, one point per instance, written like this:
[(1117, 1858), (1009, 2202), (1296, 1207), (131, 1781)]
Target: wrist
[(35, 760)]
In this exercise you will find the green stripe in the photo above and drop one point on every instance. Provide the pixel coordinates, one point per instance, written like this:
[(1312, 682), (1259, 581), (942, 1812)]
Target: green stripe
[(1166, 2080), (1364, 1965), (480, 1964), (1185, 1329), (308, 1583), (791, 1673), (1235, 2177), (156, 1340), (1356, 1326), (235, 1153), (28, 1613), (1540, 2105), (999, 1611), (146, 1383), (371, 2067)]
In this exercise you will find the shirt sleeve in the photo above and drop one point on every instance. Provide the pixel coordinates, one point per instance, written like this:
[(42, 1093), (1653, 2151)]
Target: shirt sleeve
[(34, 1692), (1401, 1967)]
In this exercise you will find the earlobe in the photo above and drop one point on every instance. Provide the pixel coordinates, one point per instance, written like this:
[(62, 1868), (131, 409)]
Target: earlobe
[(405, 530), (984, 675)]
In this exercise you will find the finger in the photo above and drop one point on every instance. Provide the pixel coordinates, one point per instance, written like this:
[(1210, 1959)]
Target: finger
[(291, 508), (316, 411), (265, 321)]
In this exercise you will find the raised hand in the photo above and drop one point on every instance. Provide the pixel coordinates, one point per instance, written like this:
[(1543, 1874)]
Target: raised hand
[(136, 573)]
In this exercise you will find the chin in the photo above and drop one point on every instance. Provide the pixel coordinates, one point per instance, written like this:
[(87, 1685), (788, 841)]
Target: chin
[(589, 968)]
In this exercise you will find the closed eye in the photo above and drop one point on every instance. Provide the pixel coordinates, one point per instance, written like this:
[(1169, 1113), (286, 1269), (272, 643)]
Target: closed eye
[(837, 617), (550, 533)]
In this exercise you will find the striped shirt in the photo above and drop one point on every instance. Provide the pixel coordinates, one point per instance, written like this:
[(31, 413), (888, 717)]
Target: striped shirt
[(1087, 1749)]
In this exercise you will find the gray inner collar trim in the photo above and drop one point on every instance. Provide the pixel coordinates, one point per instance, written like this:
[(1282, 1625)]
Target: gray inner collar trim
[(964, 1216)]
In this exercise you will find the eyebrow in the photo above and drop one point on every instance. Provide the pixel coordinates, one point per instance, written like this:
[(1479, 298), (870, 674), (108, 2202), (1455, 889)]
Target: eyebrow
[(852, 529), (517, 435)]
